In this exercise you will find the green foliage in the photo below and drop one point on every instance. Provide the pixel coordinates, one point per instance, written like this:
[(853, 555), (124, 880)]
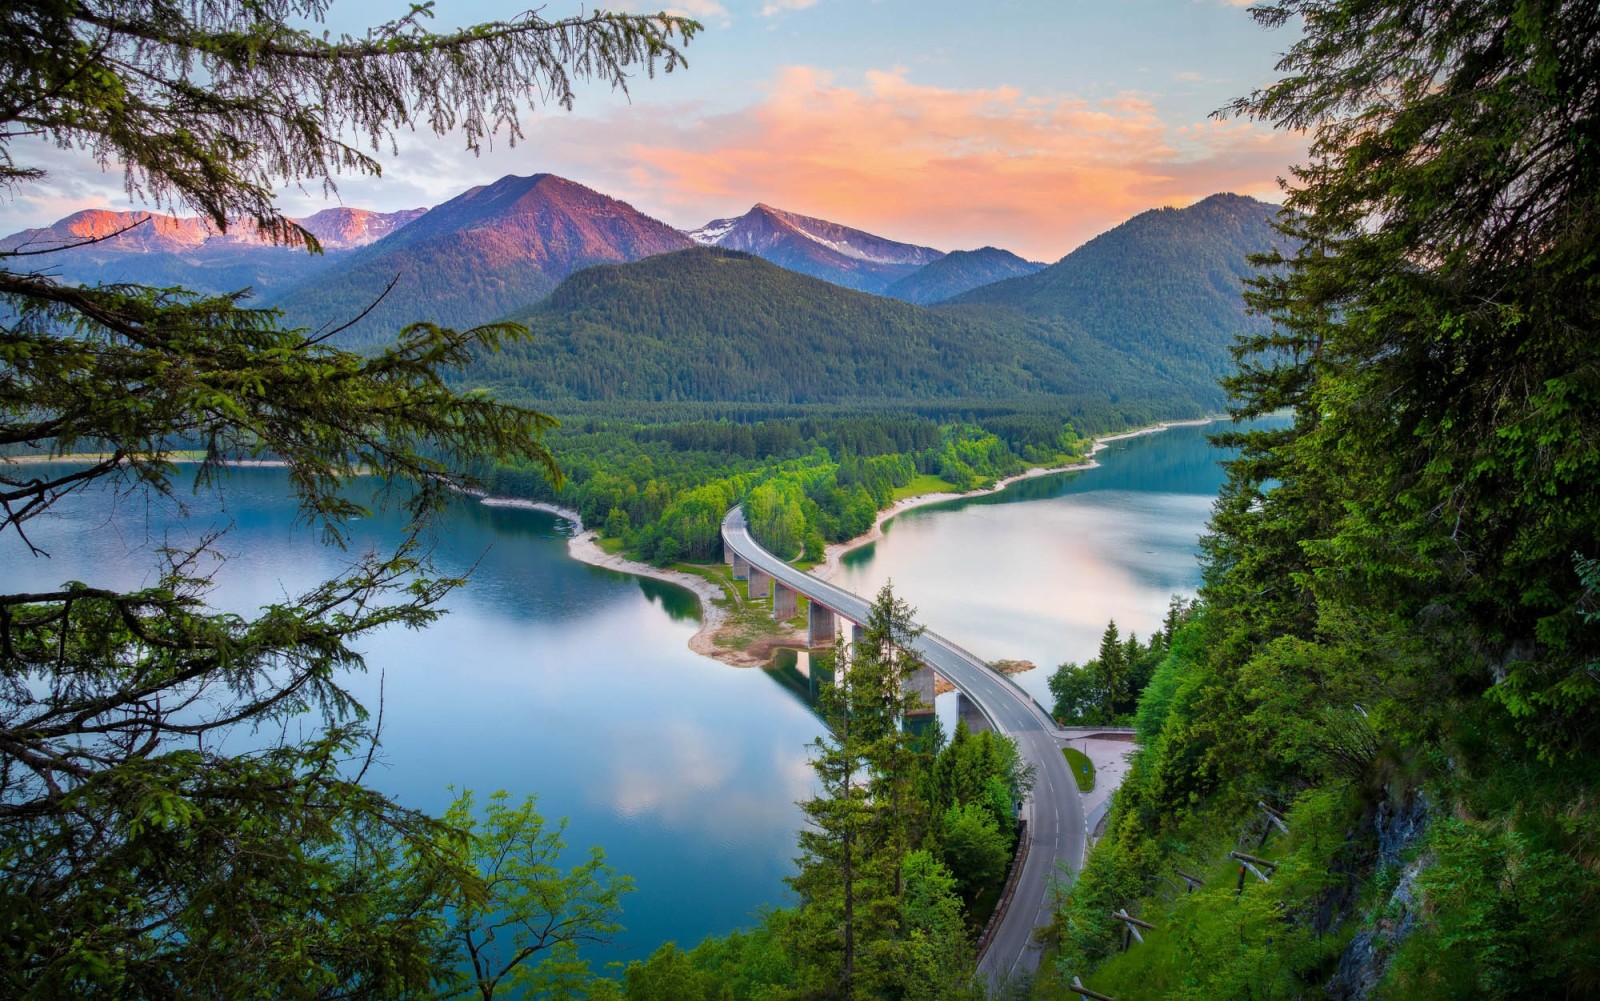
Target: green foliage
[(518, 922), (1397, 588), (859, 825), (714, 325), (1265, 940), (669, 975), (974, 845), (181, 811), (1106, 690), (804, 481), (1164, 287), (1509, 917), (1082, 768), (937, 957)]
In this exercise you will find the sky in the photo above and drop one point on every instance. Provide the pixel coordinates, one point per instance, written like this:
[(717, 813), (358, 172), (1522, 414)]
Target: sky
[(1031, 125)]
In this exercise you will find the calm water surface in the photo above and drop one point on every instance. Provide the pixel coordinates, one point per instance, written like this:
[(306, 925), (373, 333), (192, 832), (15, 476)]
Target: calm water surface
[(548, 676), (576, 684), (1035, 571)]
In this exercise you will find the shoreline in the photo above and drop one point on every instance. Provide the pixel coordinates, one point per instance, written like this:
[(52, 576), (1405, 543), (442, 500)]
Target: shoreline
[(835, 552), (584, 547)]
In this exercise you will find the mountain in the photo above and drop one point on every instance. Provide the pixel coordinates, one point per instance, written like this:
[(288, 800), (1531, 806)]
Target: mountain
[(1133, 326), (715, 325), (348, 229), (816, 247), (960, 271), (472, 259), (151, 248), (1166, 282)]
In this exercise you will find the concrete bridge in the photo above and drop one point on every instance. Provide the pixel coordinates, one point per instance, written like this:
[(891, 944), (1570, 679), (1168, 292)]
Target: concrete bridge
[(1056, 829)]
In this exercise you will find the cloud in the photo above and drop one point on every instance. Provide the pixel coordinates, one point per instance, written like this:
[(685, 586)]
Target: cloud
[(952, 168), (772, 7)]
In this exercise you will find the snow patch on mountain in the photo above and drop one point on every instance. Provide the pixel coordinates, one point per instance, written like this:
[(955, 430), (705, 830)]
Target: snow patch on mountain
[(711, 234)]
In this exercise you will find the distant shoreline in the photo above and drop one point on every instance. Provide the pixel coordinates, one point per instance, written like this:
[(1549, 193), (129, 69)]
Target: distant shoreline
[(584, 545)]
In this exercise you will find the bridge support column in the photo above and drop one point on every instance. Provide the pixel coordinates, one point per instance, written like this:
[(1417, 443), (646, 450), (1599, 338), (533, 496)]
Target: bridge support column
[(822, 627), (759, 582), (784, 606), (856, 632), (920, 684), (969, 713), (741, 567)]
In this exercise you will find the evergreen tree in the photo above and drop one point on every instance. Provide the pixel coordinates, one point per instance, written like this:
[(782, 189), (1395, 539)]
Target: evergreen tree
[(179, 812), (1112, 671), (849, 881)]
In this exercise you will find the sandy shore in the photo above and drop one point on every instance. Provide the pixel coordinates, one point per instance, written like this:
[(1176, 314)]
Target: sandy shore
[(584, 546)]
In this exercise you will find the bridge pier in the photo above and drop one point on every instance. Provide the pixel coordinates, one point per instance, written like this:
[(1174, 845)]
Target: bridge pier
[(920, 684), (822, 626), (741, 567), (759, 582), (784, 605), (969, 713)]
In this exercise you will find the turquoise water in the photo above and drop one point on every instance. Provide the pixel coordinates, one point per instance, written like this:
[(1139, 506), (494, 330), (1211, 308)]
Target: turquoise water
[(548, 677), (555, 678)]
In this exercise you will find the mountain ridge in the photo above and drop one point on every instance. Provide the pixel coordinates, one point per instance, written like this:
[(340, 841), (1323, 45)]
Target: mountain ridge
[(492, 249), (822, 249), (153, 248), (960, 271)]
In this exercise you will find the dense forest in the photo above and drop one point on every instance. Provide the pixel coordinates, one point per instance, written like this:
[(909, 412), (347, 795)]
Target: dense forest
[(1387, 698), (662, 487), (715, 325)]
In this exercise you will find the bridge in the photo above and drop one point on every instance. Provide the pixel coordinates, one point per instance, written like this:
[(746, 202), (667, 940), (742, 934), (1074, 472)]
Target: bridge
[(1054, 811)]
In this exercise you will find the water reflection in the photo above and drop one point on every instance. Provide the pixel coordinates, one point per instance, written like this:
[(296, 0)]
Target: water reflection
[(548, 676), (1035, 572)]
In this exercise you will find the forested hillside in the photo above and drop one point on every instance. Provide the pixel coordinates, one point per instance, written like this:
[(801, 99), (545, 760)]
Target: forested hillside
[(1389, 698), (958, 272), (1165, 285), (715, 325)]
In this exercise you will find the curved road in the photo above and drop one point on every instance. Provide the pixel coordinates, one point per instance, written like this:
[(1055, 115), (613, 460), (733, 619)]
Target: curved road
[(1055, 811)]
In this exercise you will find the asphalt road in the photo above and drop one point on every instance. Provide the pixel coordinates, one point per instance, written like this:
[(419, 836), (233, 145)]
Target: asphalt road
[(1056, 830)]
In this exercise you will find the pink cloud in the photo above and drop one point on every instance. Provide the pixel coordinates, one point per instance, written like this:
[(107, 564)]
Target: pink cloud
[(952, 168)]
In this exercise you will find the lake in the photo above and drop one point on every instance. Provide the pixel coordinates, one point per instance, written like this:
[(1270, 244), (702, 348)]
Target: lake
[(576, 684), (1034, 572)]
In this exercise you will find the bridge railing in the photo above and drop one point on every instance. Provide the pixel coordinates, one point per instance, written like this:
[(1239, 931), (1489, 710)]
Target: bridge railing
[(1008, 679)]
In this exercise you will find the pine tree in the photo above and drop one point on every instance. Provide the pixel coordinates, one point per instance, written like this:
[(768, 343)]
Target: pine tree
[(849, 881), (1112, 671), (142, 854)]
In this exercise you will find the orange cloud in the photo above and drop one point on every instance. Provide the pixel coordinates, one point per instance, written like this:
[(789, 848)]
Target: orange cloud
[(951, 168)]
